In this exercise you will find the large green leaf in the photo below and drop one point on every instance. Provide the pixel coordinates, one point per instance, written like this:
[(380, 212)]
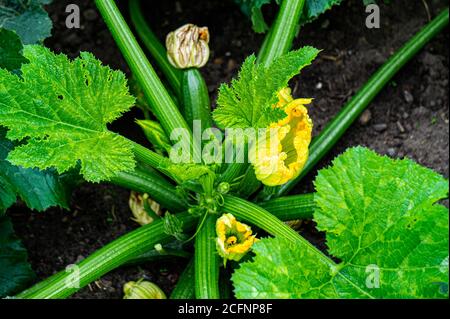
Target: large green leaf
[(38, 189), (381, 220), (11, 57), (62, 109), (27, 18), (15, 272), (248, 101)]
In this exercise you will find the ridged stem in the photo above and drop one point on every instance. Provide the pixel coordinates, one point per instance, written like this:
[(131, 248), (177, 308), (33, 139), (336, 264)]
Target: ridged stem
[(157, 188), (109, 257), (161, 103), (281, 35), (291, 207), (207, 261), (154, 46)]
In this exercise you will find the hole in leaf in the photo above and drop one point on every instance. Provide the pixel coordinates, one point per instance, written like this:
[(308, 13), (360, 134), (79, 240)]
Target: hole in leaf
[(60, 97)]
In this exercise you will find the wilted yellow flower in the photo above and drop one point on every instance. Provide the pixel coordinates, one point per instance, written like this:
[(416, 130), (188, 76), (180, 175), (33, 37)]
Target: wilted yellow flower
[(281, 153), (234, 239), (187, 46), (142, 290), (139, 204)]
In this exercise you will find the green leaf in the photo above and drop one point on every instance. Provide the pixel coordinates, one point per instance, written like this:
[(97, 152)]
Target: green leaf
[(27, 18), (38, 189), (11, 57), (252, 9), (15, 271), (62, 109), (173, 226), (312, 9), (248, 101), (381, 220)]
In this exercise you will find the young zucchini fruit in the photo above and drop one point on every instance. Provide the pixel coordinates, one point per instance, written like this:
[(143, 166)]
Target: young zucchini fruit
[(195, 99)]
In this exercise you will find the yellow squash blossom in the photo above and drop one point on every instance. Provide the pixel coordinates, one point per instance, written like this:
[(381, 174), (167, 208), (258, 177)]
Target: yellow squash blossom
[(281, 153), (234, 239)]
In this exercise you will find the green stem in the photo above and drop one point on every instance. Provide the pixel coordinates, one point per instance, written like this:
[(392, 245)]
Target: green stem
[(207, 261), (351, 111), (109, 257), (161, 102), (154, 46), (249, 183), (281, 35), (252, 213), (185, 285), (147, 156), (291, 207), (157, 188)]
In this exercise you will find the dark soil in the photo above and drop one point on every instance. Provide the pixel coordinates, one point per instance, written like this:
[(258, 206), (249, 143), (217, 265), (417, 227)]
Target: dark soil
[(408, 119)]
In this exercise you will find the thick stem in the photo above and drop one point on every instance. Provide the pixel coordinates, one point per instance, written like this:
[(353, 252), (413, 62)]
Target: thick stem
[(154, 46), (162, 104), (207, 261), (281, 35), (249, 183), (291, 207), (109, 257), (351, 111), (148, 157), (157, 188)]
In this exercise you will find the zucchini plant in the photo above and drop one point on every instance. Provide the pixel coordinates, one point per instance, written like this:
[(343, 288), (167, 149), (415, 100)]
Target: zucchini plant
[(222, 176)]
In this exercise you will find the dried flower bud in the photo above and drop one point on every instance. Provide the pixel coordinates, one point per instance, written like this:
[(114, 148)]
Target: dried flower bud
[(187, 46), (142, 290), (234, 239), (140, 206)]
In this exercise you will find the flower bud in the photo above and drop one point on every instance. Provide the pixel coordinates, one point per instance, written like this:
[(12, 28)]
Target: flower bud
[(155, 134), (234, 239), (142, 290), (223, 188), (187, 46), (139, 205)]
